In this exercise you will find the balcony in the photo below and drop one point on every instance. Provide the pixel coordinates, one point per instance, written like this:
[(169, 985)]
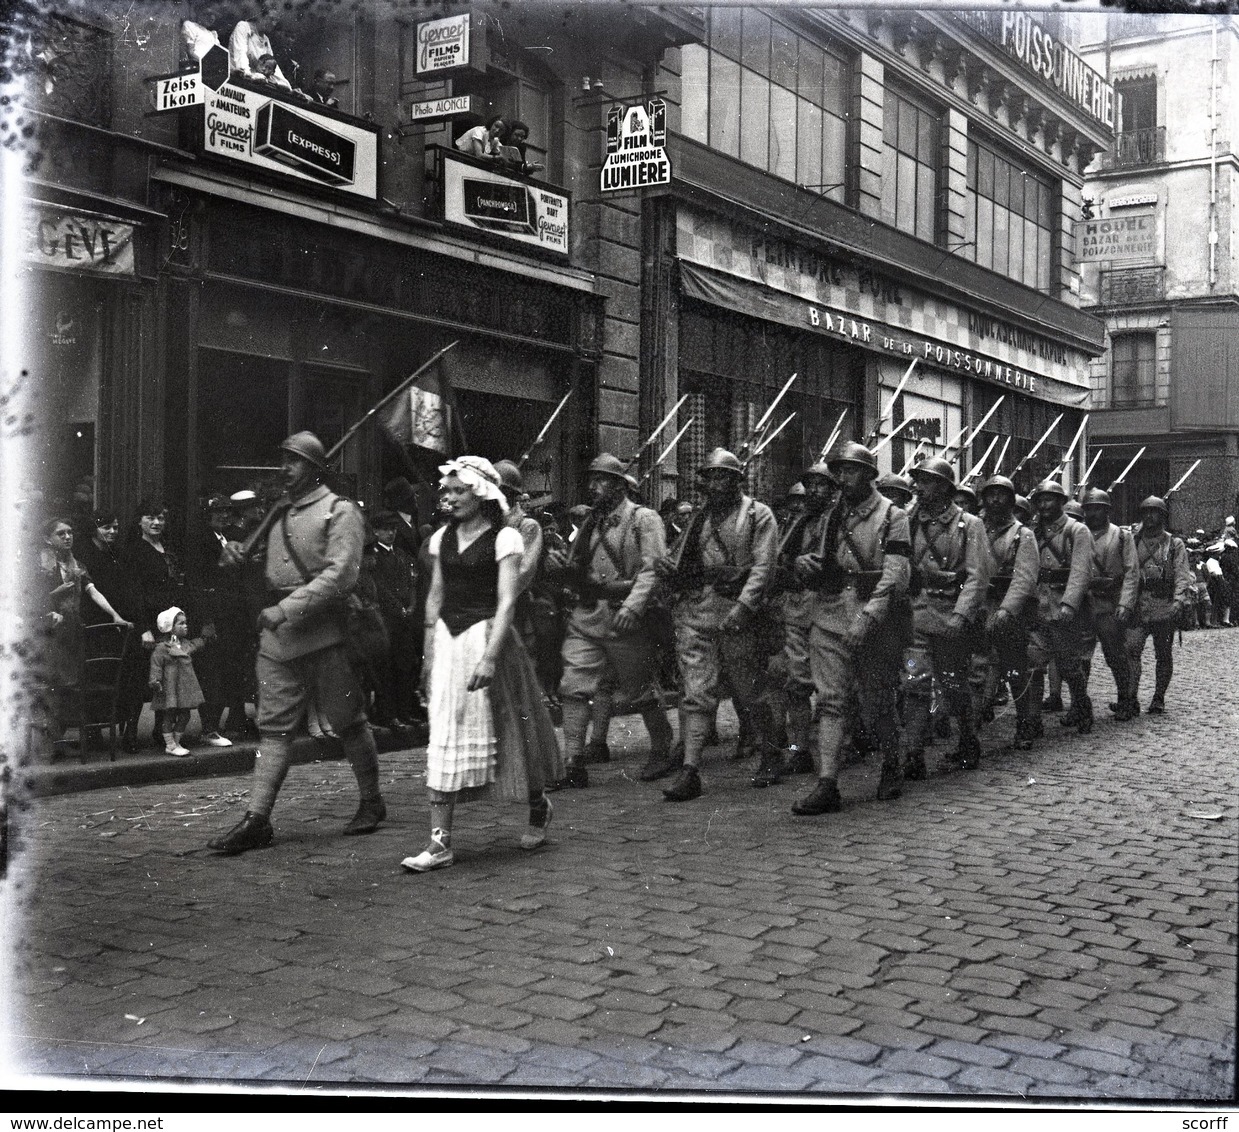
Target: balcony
[(1128, 286), (1134, 148)]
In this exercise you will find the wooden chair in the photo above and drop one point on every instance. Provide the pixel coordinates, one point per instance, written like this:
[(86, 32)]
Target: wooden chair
[(94, 703)]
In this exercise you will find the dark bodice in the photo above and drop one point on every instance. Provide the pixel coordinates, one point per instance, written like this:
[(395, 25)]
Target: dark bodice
[(470, 581)]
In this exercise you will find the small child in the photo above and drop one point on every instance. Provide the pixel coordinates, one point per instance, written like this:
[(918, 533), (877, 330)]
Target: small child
[(174, 686)]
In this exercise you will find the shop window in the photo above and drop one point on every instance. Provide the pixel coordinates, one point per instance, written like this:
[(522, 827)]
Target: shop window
[(761, 92), (911, 157), (1010, 213), (243, 405), (1133, 370)]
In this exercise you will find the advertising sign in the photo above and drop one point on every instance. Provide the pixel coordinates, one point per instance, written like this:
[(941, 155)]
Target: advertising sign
[(444, 107), (1129, 238), (72, 242), (442, 44), (517, 210), (190, 88), (249, 126), (636, 147)]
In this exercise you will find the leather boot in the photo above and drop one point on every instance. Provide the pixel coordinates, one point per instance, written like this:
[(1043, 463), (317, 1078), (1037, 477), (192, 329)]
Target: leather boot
[(252, 832), (366, 820), (890, 786), (662, 763), (770, 770), (799, 760), (686, 787), (824, 800), (1084, 719)]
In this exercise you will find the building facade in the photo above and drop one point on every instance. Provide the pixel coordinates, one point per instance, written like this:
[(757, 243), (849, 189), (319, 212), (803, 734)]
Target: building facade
[(220, 260), (1158, 262)]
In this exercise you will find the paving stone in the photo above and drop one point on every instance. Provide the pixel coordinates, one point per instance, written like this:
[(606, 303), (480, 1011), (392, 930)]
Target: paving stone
[(970, 1053), (837, 1073), (997, 1082), (918, 1062)]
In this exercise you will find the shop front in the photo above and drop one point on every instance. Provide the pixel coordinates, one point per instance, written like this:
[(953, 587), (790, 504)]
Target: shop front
[(278, 323), (756, 307)]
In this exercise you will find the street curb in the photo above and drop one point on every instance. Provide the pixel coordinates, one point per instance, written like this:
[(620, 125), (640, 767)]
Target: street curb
[(47, 780)]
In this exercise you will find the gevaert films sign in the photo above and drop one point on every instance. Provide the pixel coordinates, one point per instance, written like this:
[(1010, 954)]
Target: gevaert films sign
[(636, 147), (251, 127), (442, 44), (1129, 237), (523, 211)]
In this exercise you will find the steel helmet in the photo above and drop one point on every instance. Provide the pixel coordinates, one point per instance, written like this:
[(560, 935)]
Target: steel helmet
[(966, 489), (308, 447), (820, 469), (1155, 503), (1000, 482), (797, 489), (510, 476), (853, 453), (1050, 487), (1095, 497), (1023, 506), (937, 467), (720, 458), (606, 464), (1074, 509), (893, 481)]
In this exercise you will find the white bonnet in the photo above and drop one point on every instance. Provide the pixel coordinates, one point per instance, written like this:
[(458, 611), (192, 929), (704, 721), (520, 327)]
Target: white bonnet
[(167, 619), (478, 475)]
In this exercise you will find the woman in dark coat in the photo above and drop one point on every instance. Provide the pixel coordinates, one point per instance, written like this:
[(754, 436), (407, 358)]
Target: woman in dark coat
[(156, 583)]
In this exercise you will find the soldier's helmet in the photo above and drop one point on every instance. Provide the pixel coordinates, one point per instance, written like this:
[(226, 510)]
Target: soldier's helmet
[(723, 460), (308, 447), (1155, 503), (893, 481), (797, 489), (999, 483), (1050, 486), (606, 464), (821, 469), (853, 453), (1023, 507), (510, 477), (1095, 497), (966, 489), (1074, 509), (937, 467)]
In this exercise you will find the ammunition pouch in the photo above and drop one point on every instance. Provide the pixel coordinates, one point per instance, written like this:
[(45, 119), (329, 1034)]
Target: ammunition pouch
[(1056, 579), (726, 581), (1158, 587)]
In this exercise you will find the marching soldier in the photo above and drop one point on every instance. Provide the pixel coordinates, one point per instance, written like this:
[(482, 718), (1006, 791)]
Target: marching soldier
[(950, 554), (720, 571), (1165, 589), (803, 536), (1115, 590), (610, 573), (1012, 593), (860, 573), (303, 668), (897, 488), (1066, 559)]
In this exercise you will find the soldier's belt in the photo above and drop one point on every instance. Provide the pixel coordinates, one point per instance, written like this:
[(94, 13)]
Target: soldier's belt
[(1105, 587), (1158, 587), (1057, 578), (862, 582)]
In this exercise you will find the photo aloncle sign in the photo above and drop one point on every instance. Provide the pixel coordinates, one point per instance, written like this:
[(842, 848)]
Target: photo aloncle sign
[(636, 147)]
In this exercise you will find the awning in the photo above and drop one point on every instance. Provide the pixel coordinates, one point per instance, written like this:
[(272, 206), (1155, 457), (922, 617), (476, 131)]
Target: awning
[(726, 291)]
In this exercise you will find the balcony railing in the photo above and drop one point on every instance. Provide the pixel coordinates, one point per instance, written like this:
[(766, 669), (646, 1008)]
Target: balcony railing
[(1128, 285), (1139, 147)]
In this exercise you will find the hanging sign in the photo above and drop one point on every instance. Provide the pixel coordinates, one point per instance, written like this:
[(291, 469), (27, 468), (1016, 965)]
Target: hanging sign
[(443, 44), (73, 241), (1130, 237), (636, 147)]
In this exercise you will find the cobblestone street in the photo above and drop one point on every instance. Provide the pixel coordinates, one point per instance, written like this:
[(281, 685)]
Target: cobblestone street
[(1059, 923)]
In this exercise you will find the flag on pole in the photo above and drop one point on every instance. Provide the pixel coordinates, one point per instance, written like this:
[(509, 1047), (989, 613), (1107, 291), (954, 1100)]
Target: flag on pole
[(420, 415)]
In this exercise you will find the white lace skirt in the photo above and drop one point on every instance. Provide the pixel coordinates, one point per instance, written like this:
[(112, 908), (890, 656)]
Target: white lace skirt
[(462, 751)]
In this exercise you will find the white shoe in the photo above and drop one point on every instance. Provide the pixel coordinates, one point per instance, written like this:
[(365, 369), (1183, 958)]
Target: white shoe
[(215, 739), (436, 855), (535, 837), (177, 750)]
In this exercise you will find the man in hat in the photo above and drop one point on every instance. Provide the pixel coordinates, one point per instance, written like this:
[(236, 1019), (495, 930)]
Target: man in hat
[(218, 598), (610, 573), (1008, 606), (400, 498), (1115, 591), (1165, 590), (819, 490), (950, 554), (1065, 564), (720, 572), (303, 669), (859, 572)]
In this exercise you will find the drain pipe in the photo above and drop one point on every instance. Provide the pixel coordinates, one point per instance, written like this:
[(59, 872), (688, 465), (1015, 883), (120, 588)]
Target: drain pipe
[(1213, 236)]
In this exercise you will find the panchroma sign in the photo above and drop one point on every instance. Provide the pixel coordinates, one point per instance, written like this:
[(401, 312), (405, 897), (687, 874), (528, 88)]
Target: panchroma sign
[(636, 147), (1022, 36), (523, 211)]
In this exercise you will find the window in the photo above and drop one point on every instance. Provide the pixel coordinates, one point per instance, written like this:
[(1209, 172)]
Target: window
[(1133, 370), (1010, 214), (911, 155), (761, 92), (1137, 105)]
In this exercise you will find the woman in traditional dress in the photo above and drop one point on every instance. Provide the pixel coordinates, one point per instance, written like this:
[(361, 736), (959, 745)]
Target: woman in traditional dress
[(488, 723)]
